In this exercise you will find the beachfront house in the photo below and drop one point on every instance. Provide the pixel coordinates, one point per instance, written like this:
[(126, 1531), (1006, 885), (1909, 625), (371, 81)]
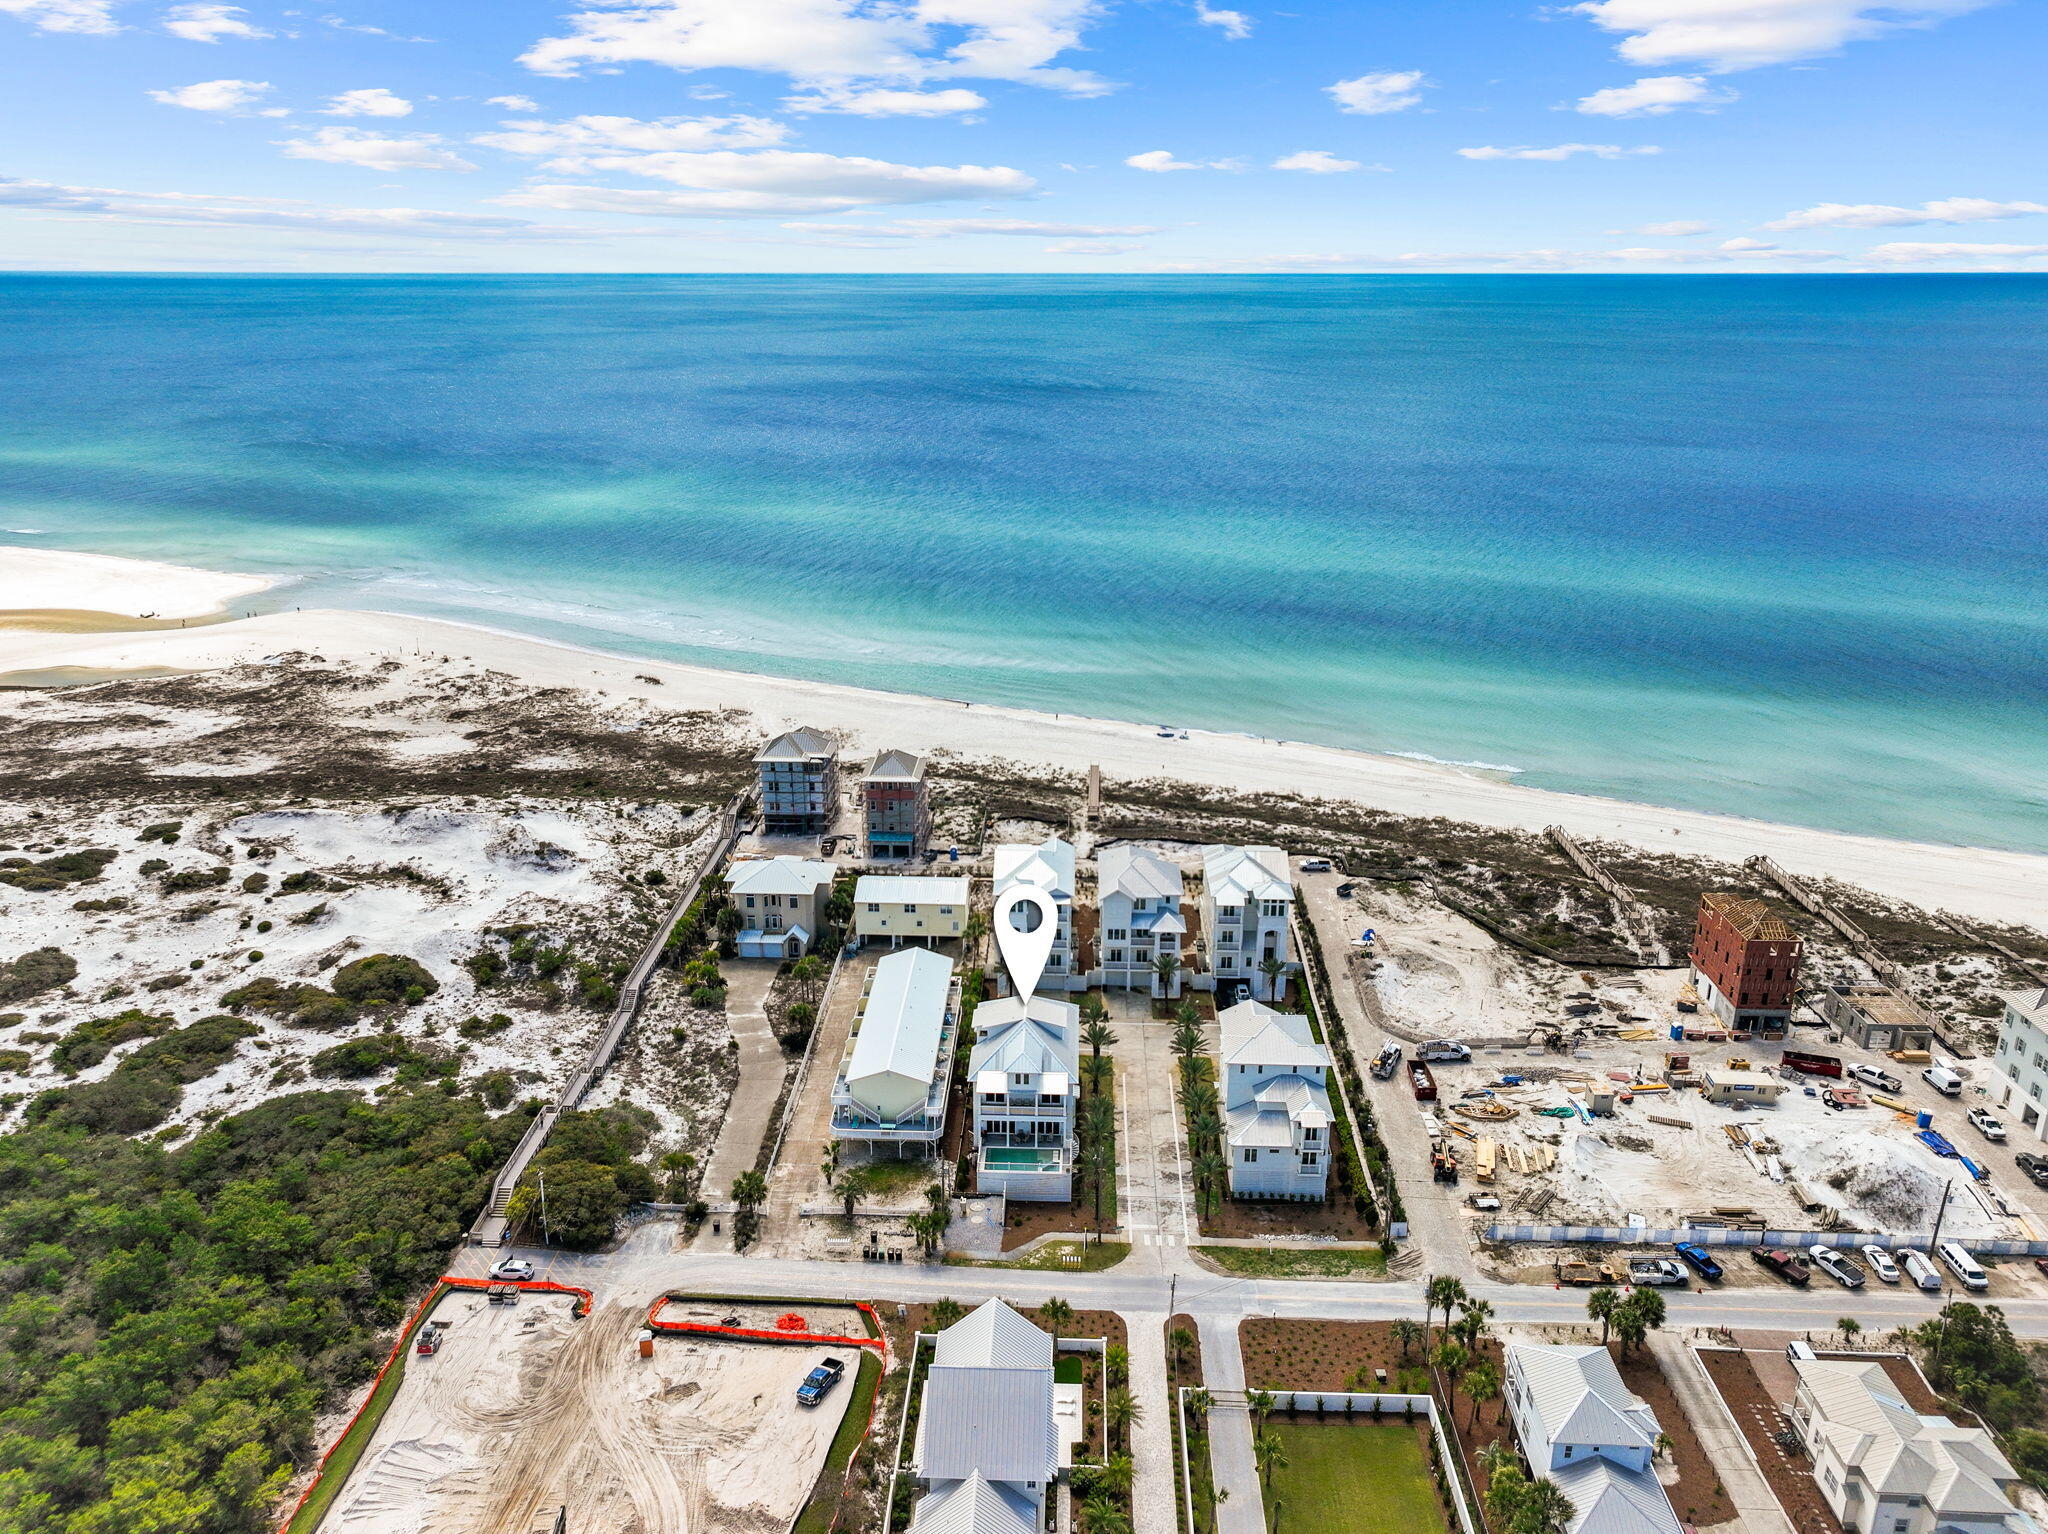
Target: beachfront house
[(1049, 865), (1138, 894), (890, 1093), (2021, 1063), (1745, 964), (911, 908), (989, 1444), (896, 807), (1247, 900), (1582, 1428), (782, 903), (799, 773), (1024, 1075), (1886, 1469), (1276, 1103)]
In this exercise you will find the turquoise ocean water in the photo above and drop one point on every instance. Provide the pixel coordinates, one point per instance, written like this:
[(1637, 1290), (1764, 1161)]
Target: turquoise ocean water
[(1768, 545)]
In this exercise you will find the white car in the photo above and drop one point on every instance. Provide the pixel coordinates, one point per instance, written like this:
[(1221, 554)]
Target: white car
[(1986, 1123), (1315, 865), (1871, 1076), (513, 1270), (1881, 1263)]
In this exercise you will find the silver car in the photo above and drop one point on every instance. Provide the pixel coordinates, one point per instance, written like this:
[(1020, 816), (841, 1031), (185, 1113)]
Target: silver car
[(513, 1270), (1881, 1263)]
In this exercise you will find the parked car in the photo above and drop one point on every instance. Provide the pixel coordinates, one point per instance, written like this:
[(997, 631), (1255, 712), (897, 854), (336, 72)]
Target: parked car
[(1438, 1051), (1315, 865), (1943, 1080), (1657, 1272), (819, 1382), (1871, 1076), (1959, 1262), (515, 1269), (1785, 1263), (1923, 1272), (1698, 1259), (1386, 1062), (1881, 1263), (1986, 1123), (1839, 1268), (2035, 1167)]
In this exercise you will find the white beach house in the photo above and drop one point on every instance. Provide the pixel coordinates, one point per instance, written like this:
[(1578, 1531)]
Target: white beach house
[(989, 1446), (782, 901), (1247, 899), (1276, 1103), (799, 779), (2021, 1064), (1138, 894), (1024, 1073), (1581, 1427), (908, 908), (1049, 866), (896, 1069)]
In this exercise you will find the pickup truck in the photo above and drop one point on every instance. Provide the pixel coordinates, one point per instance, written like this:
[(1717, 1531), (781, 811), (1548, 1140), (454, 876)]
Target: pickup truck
[(1444, 1052), (1697, 1259), (1839, 1268), (1660, 1272), (1386, 1062), (1787, 1264), (1986, 1123), (2035, 1168), (1872, 1076), (819, 1382)]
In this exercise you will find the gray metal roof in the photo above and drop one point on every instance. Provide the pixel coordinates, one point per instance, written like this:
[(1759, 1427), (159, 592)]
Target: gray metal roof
[(993, 1335), (973, 1506), (993, 1420)]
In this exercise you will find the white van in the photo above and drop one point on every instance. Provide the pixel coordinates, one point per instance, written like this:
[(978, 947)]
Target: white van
[(1919, 1269), (1963, 1265), (1943, 1080)]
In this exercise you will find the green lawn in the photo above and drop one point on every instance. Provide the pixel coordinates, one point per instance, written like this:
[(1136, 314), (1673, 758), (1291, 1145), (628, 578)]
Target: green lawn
[(1053, 1257), (1306, 1262), (1069, 1369), (889, 1178), (1352, 1478)]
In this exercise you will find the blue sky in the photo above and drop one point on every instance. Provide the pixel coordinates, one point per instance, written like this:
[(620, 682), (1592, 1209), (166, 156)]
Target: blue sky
[(1023, 135)]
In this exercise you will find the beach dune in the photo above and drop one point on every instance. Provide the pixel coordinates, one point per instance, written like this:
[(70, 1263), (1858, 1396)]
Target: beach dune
[(1986, 884)]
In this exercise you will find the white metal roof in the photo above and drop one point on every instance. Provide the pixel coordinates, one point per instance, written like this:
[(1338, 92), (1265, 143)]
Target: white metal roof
[(994, 1335), (1137, 872), (904, 1018), (784, 875), (798, 745), (974, 1506), (1234, 875), (1579, 1398), (1256, 1034), (910, 889), (1607, 1498), (1048, 864)]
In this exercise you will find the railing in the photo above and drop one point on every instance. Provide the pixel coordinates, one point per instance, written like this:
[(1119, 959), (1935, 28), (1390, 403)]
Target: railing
[(1714, 1235)]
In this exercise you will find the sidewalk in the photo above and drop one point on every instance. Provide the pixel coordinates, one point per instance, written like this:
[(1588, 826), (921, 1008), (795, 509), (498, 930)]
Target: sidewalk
[(1232, 1466), (762, 1064), (1153, 1203), (1757, 1510)]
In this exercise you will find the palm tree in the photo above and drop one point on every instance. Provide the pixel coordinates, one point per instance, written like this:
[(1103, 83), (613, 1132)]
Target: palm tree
[(1116, 1363), (1098, 1037), (750, 1190), (1120, 1409), (1200, 1404), (1180, 1343), (1103, 1515), (1098, 1163), (1545, 1509), (1187, 1039), (1057, 1311), (1482, 1384), (973, 930), (1849, 1327), (944, 1313), (1638, 1316), (1270, 1454), (1096, 1071), (1441, 1293), (1471, 1323), (1212, 1172), (1493, 1457), (1117, 1473), (1199, 1101), (1272, 969), (854, 1184), (930, 1230), (1260, 1402), (1093, 1008), (1405, 1332), (1449, 1359), (1506, 1486), (1166, 966), (1601, 1305), (808, 976)]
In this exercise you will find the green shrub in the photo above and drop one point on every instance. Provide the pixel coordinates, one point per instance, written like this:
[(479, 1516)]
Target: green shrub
[(199, 1049), (111, 903), (362, 1057), (55, 872), (384, 977), (482, 1027), (485, 965), (15, 1062), (165, 832), (263, 926), (89, 1043), (305, 879), (303, 1006), (256, 884), (37, 971), (126, 1103), (188, 879), (496, 1088)]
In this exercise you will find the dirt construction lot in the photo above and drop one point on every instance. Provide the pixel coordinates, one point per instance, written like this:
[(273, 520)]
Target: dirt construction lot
[(526, 1409)]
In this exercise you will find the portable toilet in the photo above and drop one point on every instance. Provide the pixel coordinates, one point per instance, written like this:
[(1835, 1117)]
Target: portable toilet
[(1923, 1120), (1678, 1033), (1600, 1100), (646, 1342)]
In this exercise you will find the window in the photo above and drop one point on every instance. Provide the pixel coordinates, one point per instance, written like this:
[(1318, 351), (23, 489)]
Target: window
[(945, 910), (1251, 1156), (1020, 1079), (1310, 1135), (1274, 908), (1226, 962), (750, 902), (775, 924), (1117, 934), (1116, 956), (1310, 1160), (993, 1099), (1228, 912), (873, 906)]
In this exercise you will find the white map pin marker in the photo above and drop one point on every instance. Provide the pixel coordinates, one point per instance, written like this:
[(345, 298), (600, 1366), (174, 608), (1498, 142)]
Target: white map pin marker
[(1026, 922)]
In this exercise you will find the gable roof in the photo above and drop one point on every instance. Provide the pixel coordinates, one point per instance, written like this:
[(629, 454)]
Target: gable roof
[(904, 1018), (799, 745), (1578, 1398), (1040, 1038), (1048, 864), (997, 1421), (973, 1506), (910, 889), (2030, 1004), (1752, 920), (1862, 1416), (1255, 1034), (995, 1336), (1234, 875), (1608, 1499), (895, 767), (1137, 872), (784, 875)]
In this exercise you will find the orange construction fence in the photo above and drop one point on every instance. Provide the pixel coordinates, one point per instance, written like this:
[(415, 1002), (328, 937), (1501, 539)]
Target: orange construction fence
[(781, 1334)]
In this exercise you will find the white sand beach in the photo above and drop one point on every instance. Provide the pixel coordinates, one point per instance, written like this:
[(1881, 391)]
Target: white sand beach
[(1991, 885)]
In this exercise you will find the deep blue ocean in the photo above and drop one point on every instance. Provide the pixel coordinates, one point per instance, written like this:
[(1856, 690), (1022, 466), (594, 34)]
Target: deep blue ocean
[(1766, 545)]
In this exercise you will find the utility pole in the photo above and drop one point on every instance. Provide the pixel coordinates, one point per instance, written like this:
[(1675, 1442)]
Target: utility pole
[(1946, 1189), (546, 1239)]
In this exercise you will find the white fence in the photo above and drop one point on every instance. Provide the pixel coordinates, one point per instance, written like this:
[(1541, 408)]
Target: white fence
[(1631, 1235)]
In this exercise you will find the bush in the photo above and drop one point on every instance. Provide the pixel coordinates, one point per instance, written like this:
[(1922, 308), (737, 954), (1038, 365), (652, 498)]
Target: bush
[(188, 879), (15, 1062), (495, 1088), (165, 832), (256, 884), (305, 879), (363, 1057), (89, 1043), (37, 971), (384, 977), (153, 866), (111, 903), (483, 1027), (303, 1006), (186, 1054), (485, 965), (126, 1103), (54, 873)]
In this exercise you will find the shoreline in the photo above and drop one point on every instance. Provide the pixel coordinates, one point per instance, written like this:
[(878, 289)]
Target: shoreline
[(1986, 883), (61, 587)]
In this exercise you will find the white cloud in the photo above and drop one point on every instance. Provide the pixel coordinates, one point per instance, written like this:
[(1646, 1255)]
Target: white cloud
[(1318, 162), (570, 142), (1727, 35), (376, 151), (1234, 25), (1092, 248), (1744, 242), (1878, 215), (373, 102), (210, 23), (1655, 95), (64, 15), (1393, 90), (954, 228), (343, 24), (1162, 160), (821, 42), (1557, 152), (880, 101), (513, 103), (1672, 227), (213, 95), (1906, 253), (724, 184)]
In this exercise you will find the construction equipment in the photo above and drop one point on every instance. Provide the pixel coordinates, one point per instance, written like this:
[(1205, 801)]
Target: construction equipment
[(429, 1341), (1588, 1274), (1443, 1163)]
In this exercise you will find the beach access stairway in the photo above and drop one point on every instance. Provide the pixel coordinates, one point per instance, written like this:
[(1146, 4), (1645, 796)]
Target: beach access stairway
[(489, 1229)]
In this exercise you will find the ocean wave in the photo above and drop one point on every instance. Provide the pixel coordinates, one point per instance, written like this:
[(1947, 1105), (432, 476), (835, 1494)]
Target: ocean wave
[(26, 532), (1424, 756)]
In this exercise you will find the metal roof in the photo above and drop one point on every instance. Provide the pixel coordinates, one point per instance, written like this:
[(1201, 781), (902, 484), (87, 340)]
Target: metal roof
[(1607, 1498), (1233, 875), (1136, 871), (799, 745), (904, 1018), (895, 767), (1255, 1034), (1579, 1398), (910, 889), (973, 1506), (1049, 865), (993, 1335), (784, 875), (995, 1421)]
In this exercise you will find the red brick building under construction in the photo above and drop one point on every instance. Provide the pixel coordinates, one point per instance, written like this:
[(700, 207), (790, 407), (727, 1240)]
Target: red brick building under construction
[(1745, 963)]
